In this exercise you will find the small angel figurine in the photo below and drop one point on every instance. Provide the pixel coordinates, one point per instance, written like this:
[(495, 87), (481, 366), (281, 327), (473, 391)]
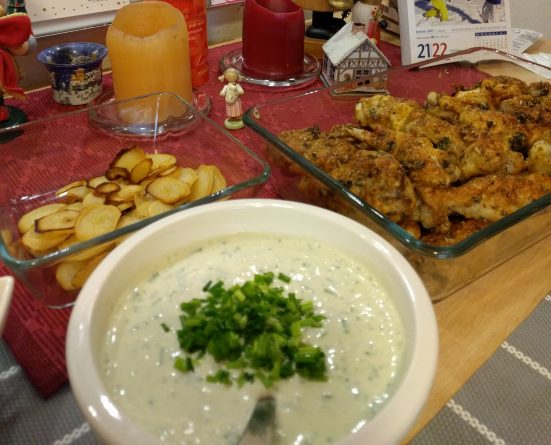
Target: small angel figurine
[(232, 93)]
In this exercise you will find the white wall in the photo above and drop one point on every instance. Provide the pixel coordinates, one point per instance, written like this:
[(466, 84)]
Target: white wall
[(532, 14)]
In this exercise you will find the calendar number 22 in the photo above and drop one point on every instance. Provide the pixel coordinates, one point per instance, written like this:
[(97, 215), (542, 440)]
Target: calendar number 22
[(429, 50)]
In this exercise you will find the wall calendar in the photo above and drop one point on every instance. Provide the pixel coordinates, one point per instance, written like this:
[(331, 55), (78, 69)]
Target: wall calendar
[(432, 28)]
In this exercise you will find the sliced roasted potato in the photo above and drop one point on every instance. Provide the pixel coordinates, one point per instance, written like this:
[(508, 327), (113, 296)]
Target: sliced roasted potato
[(77, 205), (218, 179), (128, 158), (135, 186), (93, 198), (126, 193), (161, 161), (157, 207), (125, 206), (115, 173), (105, 188), (188, 175), (72, 185), (94, 182), (170, 171), (129, 218), (203, 185), (26, 222), (87, 253), (142, 204), (41, 243), (95, 220), (62, 220), (168, 189), (141, 170), (84, 272), (66, 271)]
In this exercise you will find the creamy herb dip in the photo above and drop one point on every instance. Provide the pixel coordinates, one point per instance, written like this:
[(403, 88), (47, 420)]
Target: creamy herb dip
[(362, 337)]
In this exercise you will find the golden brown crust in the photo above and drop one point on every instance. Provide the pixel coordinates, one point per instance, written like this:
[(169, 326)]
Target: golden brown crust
[(446, 169)]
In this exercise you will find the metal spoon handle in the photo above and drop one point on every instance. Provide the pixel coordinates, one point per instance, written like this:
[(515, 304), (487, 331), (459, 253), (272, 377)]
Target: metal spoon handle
[(260, 428)]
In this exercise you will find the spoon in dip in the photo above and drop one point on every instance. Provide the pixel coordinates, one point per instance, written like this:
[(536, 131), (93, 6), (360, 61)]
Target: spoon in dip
[(260, 428)]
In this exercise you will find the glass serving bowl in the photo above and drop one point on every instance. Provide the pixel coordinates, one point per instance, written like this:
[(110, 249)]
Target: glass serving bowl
[(47, 154), (444, 269)]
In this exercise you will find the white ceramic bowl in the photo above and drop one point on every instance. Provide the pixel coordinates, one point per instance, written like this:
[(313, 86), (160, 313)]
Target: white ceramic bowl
[(6, 292), (87, 325)]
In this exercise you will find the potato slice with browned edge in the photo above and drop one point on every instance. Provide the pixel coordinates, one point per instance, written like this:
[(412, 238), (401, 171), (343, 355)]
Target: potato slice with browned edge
[(168, 189), (62, 220), (95, 220), (84, 272), (115, 173), (107, 187), (125, 194), (26, 221), (203, 186), (128, 158), (74, 193), (141, 170), (39, 244), (66, 271), (72, 185), (161, 161), (94, 182)]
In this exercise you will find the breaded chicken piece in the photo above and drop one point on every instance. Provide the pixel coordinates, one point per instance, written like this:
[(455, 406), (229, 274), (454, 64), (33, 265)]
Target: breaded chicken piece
[(487, 198), (424, 164), (379, 179), (486, 95), (458, 231), (489, 155), (327, 150), (386, 111)]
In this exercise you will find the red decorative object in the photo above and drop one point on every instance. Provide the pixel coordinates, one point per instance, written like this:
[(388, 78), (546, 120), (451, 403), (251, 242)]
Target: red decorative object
[(273, 39), (15, 31)]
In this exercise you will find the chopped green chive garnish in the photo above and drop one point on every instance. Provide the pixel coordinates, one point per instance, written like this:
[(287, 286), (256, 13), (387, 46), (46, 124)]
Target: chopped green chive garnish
[(253, 330), (165, 327)]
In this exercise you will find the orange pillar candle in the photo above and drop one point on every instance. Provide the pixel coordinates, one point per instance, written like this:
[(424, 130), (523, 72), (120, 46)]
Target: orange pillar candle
[(148, 47)]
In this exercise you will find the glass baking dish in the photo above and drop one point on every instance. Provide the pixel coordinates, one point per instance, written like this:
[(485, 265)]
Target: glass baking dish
[(41, 157), (444, 269)]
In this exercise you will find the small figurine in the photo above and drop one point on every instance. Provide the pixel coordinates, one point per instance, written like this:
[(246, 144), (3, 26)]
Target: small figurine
[(15, 40), (367, 17), (232, 93)]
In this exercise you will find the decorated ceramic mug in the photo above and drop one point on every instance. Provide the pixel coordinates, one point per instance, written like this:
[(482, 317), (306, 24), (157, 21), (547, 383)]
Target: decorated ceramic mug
[(75, 71)]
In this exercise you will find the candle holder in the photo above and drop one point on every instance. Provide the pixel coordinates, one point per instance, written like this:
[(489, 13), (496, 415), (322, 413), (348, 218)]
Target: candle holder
[(272, 53), (108, 113), (310, 71)]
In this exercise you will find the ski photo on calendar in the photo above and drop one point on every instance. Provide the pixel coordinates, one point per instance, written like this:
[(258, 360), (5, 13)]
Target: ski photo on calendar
[(459, 12)]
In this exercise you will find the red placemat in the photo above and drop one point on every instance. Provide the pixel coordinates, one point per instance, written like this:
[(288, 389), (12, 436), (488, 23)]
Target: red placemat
[(36, 334)]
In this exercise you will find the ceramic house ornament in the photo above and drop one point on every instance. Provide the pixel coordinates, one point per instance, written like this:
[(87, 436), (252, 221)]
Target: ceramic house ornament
[(351, 54)]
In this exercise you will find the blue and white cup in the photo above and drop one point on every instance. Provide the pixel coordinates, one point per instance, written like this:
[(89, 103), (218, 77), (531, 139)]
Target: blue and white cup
[(75, 71)]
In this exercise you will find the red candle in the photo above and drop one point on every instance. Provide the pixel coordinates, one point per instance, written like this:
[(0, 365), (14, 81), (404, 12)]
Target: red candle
[(273, 39)]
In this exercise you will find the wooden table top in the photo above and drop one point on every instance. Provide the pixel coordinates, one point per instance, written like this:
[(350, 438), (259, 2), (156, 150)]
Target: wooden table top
[(474, 321)]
